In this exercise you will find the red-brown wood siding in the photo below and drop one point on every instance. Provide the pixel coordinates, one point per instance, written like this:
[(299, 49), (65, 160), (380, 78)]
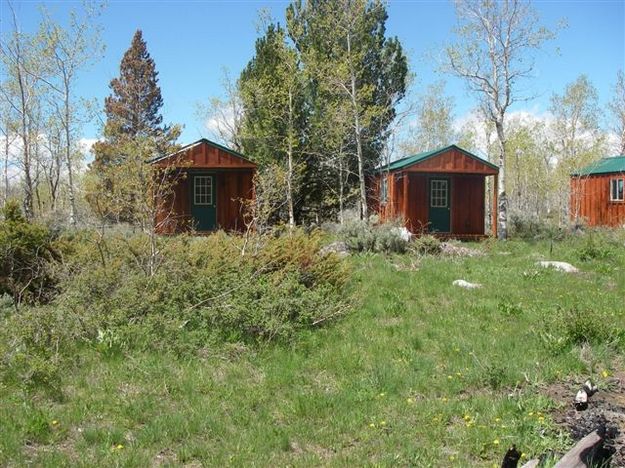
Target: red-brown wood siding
[(590, 201), (234, 184), (452, 161), (467, 204), (467, 176)]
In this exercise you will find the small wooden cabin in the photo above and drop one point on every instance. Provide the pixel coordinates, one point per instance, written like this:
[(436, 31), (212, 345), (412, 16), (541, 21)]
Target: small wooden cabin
[(440, 192), (598, 193), (211, 184)]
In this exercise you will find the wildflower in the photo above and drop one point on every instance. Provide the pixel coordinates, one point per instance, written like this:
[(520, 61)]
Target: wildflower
[(409, 401), (452, 458), (459, 374), (382, 394), (523, 455), (496, 441), (382, 423), (497, 419), (467, 417), (531, 413), (372, 425), (604, 373), (54, 422), (449, 377), (120, 446), (444, 399), (541, 418)]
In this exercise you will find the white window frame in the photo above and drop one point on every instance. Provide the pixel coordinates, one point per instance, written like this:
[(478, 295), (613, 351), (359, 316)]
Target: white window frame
[(617, 184), (439, 191), (203, 196)]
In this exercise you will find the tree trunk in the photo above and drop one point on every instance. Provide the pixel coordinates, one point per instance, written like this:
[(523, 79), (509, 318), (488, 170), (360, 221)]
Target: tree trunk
[(357, 134), (68, 156), (501, 186), (289, 175)]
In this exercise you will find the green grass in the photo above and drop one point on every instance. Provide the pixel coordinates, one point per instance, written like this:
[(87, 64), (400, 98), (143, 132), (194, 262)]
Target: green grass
[(419, 373)]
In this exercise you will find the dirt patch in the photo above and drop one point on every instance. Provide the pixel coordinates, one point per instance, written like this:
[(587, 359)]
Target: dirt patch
[(454, 249), (606, 411)]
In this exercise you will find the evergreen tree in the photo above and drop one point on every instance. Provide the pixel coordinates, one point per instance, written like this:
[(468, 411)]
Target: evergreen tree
[(133, 132), (353, 68), (133, 108), (274, 126)]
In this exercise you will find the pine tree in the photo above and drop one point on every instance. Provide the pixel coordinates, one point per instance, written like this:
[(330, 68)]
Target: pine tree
[(133, 132), (133, 108)]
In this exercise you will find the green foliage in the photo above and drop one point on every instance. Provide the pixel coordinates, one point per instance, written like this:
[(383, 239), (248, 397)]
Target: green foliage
[(205, 292), (26, 253), (361, 236), (595, 248), (427, 245)]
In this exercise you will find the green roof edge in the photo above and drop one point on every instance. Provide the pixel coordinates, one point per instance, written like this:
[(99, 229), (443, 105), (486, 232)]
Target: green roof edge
[(599, 166), (424, 156), (208, 142)]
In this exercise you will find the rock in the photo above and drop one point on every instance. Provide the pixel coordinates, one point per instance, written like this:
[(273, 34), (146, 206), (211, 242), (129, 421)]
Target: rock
[(466, 285), (338, 247), (402, 233), (561, 266), (581, 400)]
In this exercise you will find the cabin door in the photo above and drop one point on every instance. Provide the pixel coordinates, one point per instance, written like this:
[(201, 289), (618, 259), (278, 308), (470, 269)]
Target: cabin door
[(439, 213), (204, 202)]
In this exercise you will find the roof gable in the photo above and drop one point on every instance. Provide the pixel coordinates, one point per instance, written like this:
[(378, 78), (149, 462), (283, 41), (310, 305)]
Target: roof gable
[(205, 153), (614, 164), (478, 164)]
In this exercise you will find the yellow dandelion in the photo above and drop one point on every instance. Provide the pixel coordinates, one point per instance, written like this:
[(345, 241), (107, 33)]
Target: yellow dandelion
[(604, 373), (449, 377), (459, 374), (372, 425), (382, 423), (452, 458), (382, 394), (444, 399), (523, 455), (497, 419), (541, 418), (409, 401), (496, 441), (531, 413), (467, 417), (54, 422)]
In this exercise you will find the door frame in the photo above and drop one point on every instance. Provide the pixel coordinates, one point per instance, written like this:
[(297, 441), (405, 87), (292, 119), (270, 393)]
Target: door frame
[(191, 176), (447, 178)]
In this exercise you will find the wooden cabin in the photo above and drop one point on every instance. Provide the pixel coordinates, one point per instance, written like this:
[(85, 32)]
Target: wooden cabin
[(598, 193), (440, 192), (210, 184)]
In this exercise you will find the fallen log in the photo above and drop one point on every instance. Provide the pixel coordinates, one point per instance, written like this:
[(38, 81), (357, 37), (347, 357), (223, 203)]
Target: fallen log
[(582, 454), (532, 463)]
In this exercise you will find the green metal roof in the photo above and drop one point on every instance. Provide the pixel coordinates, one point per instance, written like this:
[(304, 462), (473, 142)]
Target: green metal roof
[(603, 166), (417, 158)]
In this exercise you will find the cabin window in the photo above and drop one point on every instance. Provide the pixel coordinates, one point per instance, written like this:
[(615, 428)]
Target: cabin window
[(203, 190), (438, 194), (617, 190), (383, 190)]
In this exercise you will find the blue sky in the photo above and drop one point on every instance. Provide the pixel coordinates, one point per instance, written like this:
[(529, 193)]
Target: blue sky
[(192, 41)]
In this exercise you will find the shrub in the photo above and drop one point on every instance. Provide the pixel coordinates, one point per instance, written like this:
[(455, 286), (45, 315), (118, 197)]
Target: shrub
[(594, 249), (26, 254), (427, 245), (528, 227), (361, 236)]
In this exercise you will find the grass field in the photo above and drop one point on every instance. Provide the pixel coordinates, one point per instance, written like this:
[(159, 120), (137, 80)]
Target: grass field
[(419, 373)]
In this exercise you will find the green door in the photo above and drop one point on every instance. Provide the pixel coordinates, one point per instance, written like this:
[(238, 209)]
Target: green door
[(439, 205), (204, 202)]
